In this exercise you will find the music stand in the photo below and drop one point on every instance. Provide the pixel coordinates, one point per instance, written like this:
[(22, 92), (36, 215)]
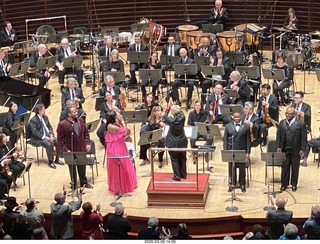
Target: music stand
[(236, 58), (93, 125), (279, 74), (27, 170), (185, 69), (98, 104), (317, 73), (24, 67), (119, 77), (213, 71), (135, 116), (14, 70), (208, 130), (139, 27), (150, 74), (168, 61), (202, 60), (138, 57), (273, 159), (212, 28), (232, 93), (72, 62), (73, 159), (21, 45), (233, 156), (229, 109)]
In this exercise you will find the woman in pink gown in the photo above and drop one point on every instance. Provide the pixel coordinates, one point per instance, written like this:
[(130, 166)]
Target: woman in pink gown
[(121, 174)]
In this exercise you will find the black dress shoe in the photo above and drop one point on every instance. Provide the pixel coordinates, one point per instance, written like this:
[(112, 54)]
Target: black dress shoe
[(294, 188), (282, 188), (243, 188), (52, 165), (87, 186), (59, 162), (176, 179)]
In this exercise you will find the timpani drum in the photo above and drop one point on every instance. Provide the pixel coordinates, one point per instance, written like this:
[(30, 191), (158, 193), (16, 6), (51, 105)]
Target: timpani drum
[(183, 29), (230, 41), (250, 39), (196, 38)]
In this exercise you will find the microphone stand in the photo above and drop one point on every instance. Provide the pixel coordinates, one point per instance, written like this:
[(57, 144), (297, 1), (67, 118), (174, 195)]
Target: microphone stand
[(186, 12), (73, 186), (2, 16)]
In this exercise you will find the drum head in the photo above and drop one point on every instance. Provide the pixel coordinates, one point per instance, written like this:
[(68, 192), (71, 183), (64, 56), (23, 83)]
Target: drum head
[(187, 27), (46, 30)]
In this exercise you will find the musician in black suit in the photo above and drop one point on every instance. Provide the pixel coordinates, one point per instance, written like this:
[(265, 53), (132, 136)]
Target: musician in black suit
[(190, 79), (176, 138), (40, 132), (205, 50), (253, 121), (115, 64), (8, 35), (66, 50), (4, 65), (72, 104), (218, 14), (110, 87), (218, 98), (292, 140), (72, 92), (237, 137), (43, 75), (5, 180), (105, 50), (303, 109), (138, 46), (267, 103), (171, 49), (239, 85)]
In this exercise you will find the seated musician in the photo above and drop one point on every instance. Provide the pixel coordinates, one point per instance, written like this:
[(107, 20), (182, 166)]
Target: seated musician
[(239, 85), (254, 83), (15, 166), (253, 121), (148, 103), (105, 51), (72, 104), (110, 87), (107, 106), (4, 65), (138, 46), (212, 105), (180, 80), (64, 51), (42, 75), (153, 63), (206, 49), (72, 92), (154, 123), (199, 115), (291, 23), (8, 35), (9, 122), (221, 61), (280, 85), (171, 49), (5, 179), (303, 109), (115, 64), (267, 109), (41, 133)]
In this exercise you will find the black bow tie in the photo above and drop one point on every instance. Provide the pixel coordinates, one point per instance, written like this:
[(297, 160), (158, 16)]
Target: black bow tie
[(237, 124)]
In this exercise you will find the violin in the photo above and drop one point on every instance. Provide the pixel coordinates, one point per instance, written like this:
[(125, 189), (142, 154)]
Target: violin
[(213, 108), (127, 137), (122, 99)]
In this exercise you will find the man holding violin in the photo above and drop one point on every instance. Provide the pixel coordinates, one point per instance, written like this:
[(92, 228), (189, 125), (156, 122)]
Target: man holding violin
[(267, 109)]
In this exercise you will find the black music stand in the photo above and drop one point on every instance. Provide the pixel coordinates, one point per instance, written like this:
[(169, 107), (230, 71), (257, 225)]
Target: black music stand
[(168, 61), (138, 57), (21, 45), (98, 104), (201, 60), (229, 109), (72, 62), (19, 124), (233, 156), (135, 116), (212, 28), (273, 159), (279, 74), (119, 77), (267, 74), (150, 74), (233, 94), (27, 170), (120, 194), (93, 125), (251, 72), (213, 72), (317, 74), (24, 67), (208, 131), (15, 69), (236, 58), (73, 159), (138, 27)]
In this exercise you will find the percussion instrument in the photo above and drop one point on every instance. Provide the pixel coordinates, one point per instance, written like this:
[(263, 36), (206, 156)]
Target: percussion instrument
[(281, 29), (44, 30), (293, 39), (314, 43), (77, 36), (183, 29), (250, 38), (315, 33), (195, 38), (230, 41), (124, 37)]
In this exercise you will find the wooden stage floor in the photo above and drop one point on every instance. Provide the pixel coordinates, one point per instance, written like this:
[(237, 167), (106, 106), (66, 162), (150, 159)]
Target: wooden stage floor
[(45, 182)]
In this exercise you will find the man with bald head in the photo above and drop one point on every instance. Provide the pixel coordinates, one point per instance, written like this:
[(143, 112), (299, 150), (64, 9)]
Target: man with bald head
[(43, 75), (292, 140), (64, 51), (107, 48), (278, 218)]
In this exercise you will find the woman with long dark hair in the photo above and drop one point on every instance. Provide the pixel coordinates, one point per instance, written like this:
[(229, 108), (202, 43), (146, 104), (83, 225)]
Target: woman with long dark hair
[(8, 123)]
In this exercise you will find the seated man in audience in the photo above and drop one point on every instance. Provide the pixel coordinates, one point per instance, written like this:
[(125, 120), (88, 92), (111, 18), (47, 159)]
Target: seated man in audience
[(138, 46), (43, 75), (152, 232), (110, 87), (312, 225), (72, 92), (64, 51), (41, 134)]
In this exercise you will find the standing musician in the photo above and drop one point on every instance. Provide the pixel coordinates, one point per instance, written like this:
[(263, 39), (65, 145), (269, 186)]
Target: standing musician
[(8, 35), (72, 92), (213, 105), (303, 109), (179, 82), (138, 46), (280, 85), (40, 132), (292, 140), (4, 65), (107, 106), (267, 109), (42, 75), (154, 122), (110, 87), (153, 63), (237, 137), (14, 165), (253, 121), (239, 85), (64, 51)]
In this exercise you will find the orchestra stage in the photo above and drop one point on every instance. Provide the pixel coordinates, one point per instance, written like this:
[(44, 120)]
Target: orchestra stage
[(46, 182)]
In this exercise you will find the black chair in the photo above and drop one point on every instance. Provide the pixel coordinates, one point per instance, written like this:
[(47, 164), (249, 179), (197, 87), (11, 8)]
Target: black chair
[(92, 159)]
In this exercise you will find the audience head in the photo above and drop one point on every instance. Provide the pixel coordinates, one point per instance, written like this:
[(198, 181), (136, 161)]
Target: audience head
[(60, 198), (153, 222), (87, 207), (182, 229), (30, 204), (315, 212), (37, 234), (11, 203), (291, 231), (228, 238), (119, 210), (281, 202)]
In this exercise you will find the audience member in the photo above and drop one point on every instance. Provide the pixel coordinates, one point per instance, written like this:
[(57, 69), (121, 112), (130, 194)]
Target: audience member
[(117, 224), (91, 222), (312, 225), (290, 233), (182, 232), (152, 232)]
